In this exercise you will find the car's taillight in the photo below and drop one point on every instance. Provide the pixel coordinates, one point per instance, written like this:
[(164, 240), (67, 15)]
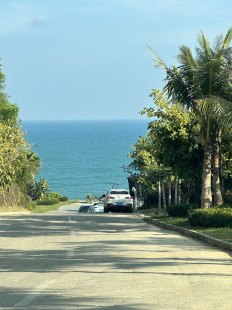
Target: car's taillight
[(128, 197), (110, 197)]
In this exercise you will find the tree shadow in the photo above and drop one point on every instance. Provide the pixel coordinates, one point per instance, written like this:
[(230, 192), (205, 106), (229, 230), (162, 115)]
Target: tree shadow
[(48, 225), (75, 254), (55, 299), (111, 245)]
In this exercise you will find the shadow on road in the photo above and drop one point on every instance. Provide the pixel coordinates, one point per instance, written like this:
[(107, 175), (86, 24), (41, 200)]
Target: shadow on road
[(55, 299), (115, 253), (96, 247)]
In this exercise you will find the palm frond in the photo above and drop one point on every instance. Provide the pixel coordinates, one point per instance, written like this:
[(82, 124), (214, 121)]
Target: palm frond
[(158, 61), (186, 58), (227, 39), (213, 113), (218, 45), (205, 45)]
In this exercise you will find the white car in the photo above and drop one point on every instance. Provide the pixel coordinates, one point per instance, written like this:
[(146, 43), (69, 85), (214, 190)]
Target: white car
[(97, 207), (118, 200)]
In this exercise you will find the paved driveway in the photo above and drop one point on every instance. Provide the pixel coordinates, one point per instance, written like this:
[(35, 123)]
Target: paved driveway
[(107, 261)]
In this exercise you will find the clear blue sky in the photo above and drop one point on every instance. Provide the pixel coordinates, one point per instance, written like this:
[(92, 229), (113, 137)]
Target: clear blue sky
[(87, 59)]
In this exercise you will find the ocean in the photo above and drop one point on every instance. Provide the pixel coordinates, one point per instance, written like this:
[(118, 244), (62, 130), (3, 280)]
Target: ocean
[(81, 157)]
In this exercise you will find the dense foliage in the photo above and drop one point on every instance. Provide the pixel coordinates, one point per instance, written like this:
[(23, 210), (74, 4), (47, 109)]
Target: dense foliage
[(170, 150), (18, 164), (16, 170), (181, 210), (189, 141), (203, 84)]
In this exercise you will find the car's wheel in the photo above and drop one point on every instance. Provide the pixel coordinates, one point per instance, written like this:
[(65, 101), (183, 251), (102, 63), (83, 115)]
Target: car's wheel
[(106, 210)]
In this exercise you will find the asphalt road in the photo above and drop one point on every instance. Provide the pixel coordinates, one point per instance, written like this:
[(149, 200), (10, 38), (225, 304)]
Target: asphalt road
[(107, 261)]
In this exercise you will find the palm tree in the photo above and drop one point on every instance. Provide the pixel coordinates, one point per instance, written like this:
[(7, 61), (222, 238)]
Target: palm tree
[(30, 168), (204, 84), (33, 164), (41, 188)]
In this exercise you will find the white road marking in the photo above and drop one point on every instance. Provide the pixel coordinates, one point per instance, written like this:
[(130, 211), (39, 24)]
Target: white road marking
[(34, 294)]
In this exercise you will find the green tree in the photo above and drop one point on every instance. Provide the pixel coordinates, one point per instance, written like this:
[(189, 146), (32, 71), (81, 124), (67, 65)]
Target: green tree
[(172, 132), (18, 164), (204, 84), (26, 175), (172, 138), (8, 111)]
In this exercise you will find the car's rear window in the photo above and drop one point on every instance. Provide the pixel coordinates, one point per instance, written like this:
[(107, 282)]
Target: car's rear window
[(119, 192), (84, 207)]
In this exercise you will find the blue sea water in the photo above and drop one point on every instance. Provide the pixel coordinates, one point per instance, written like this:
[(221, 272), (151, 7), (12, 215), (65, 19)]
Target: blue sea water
[(80, 157)]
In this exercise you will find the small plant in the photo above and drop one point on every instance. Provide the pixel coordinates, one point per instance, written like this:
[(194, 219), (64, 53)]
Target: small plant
[(31, 206), (89, 198), (39, 189)]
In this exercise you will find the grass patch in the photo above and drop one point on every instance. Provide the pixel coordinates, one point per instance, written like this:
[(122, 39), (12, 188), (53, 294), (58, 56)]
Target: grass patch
[(44, 208), (34, 208), (224, 233), (13, 209), (177, 221)]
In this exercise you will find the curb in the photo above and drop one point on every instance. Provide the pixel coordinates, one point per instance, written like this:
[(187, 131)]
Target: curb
[(191, 233)]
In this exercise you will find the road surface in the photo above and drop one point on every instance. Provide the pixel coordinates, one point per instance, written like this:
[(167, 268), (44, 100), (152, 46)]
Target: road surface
[(107, 261)]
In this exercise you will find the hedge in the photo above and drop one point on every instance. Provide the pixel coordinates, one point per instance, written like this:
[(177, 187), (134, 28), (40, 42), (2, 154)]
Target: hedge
[(54, 195), (180, 210), (212, 217)]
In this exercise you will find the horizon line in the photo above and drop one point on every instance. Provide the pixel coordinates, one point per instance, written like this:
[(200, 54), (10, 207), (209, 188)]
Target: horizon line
[(81, 119)]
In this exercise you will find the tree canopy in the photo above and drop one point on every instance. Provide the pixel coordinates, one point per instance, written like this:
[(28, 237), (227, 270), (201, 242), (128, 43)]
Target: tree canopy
[(192, 115), (18, 164)]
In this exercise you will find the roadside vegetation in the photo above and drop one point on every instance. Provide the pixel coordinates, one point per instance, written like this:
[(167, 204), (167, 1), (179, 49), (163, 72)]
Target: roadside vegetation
[(184, 162), (43, 206), (19, 165)]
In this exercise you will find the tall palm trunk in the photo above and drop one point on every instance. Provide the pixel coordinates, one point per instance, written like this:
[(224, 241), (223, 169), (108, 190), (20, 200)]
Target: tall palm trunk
[(179, 192), (217, 192), (163, 194), (176, 189), (159, 196), (169, 192), (206, 195)]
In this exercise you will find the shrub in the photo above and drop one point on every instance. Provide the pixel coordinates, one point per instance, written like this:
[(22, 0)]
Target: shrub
[(213, 217), (180, 210), (58, 196), (48, 202), (63, 198)]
